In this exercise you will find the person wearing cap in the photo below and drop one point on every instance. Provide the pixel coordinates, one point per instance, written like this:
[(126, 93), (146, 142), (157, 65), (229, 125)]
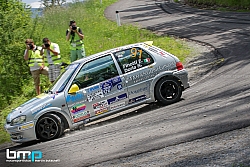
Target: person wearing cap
[(35, 62), (52, 58), (75, 36)]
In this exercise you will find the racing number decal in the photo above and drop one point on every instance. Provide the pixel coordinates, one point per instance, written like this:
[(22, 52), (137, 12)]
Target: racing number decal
[(134, 52)]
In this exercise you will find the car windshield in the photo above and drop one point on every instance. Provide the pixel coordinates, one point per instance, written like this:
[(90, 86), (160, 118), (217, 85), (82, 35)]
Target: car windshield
[(60, 83)]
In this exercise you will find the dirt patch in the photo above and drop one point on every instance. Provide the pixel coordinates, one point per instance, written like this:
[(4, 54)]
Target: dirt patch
[(203, 61)]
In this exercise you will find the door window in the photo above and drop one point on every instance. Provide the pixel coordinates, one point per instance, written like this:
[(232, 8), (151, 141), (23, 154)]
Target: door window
[(132, 59), (96, 71)]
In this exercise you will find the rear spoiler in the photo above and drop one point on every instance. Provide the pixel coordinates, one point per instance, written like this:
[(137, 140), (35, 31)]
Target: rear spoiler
[(149, 43)]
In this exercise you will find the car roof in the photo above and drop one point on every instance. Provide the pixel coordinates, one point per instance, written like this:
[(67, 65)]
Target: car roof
[(100, 54)]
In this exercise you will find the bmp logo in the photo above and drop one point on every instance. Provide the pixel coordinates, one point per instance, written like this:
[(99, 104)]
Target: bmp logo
[(16, 155)]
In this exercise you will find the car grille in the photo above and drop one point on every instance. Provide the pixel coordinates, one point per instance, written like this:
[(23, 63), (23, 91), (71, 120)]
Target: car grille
[(16, 136)]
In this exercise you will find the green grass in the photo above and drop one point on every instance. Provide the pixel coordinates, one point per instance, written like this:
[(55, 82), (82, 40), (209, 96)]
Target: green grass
[(100, 34)]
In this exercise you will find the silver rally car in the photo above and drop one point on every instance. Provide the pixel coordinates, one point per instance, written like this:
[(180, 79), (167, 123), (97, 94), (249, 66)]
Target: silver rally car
[(97, 86)]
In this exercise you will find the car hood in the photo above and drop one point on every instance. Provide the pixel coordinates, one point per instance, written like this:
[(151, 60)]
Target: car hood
[(31, 107)]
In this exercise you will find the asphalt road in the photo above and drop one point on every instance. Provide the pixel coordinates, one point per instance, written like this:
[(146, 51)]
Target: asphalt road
[(218, 103)]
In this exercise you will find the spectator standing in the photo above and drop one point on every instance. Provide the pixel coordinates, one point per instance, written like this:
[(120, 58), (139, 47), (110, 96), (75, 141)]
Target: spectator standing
[(52, 58), (35, 62), (75, 36)]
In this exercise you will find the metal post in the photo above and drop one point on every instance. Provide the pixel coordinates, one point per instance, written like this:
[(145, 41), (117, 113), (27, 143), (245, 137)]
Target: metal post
[(118, 18)]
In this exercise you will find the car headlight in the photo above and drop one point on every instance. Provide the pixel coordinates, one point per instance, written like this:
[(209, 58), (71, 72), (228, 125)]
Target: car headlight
[(18, 120)]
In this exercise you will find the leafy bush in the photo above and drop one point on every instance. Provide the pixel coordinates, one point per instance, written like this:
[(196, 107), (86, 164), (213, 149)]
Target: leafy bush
[(244, 4), (16, 26)]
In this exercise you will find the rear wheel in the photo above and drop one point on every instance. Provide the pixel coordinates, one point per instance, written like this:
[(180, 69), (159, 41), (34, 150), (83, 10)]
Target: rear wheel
[(168, 91), (49, 127)]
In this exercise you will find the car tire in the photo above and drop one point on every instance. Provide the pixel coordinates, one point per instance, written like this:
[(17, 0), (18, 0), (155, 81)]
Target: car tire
[(49, 127), (168, 91)]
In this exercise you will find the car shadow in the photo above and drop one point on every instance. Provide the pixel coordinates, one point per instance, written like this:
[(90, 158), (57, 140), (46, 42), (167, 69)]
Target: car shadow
[(141, 109), (144, 108), (15, 146)]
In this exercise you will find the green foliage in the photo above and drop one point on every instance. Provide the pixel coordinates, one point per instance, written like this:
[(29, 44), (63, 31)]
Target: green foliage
[(100, 34), (16, 26), (243, 4)]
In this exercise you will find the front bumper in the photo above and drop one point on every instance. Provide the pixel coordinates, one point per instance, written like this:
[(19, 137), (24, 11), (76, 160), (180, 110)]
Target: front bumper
[(21, 133)]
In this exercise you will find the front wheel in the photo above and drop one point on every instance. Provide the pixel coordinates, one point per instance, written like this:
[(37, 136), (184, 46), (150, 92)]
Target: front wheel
[(168, 91), (49, 127)]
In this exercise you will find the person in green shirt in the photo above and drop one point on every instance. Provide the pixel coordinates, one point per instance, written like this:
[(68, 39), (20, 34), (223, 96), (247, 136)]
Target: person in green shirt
[(75, 36)]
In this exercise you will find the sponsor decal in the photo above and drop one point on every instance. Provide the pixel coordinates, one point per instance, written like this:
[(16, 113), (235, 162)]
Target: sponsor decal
[(153, 49), (147, 60), (100, 107), (120, 54), (40, 108), (73, 104), (101, 111), (117, 98), (119, 86), (143, 89), (158, 51), (109, 84), (106, 87), (146, 74), (26, 126), (136, 99), (115, 80), (113, 107), (95, 95), (92, 89), (77, 108), (132, 66), (162, 53), (75, 97), (81, 116)]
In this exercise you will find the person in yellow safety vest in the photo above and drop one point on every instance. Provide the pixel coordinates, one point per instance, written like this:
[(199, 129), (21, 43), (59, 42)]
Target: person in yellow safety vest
[(35, 62), (52, 58), (75, 36)]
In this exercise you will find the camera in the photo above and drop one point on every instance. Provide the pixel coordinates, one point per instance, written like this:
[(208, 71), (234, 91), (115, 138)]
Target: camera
[(47, 45), (74, 27), (30, 46)]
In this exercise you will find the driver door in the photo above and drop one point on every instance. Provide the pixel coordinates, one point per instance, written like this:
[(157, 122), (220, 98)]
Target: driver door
[(101, 89)]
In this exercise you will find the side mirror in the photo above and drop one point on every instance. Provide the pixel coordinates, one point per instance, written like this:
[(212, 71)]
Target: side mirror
[(73, 89)]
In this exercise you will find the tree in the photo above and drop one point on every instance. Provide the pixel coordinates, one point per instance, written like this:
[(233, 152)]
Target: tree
[(16, 25), (52, 3)]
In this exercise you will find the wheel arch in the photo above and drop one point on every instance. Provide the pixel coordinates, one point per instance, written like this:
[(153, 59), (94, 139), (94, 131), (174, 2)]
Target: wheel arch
[(55, 111), (160, 76)]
